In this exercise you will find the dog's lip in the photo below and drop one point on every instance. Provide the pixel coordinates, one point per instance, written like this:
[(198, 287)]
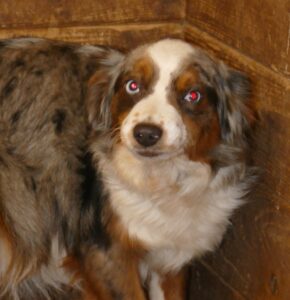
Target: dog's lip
[(148, 153), (153, 153)]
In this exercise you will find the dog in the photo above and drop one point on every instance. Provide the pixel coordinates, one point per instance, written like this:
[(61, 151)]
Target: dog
[(116, 170)]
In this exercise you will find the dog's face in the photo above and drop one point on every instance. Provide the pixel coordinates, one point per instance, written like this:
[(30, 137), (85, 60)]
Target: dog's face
[(160, 103), (169, 98)]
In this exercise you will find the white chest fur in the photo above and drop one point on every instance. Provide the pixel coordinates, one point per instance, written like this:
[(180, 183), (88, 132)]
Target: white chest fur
[(174, 207)]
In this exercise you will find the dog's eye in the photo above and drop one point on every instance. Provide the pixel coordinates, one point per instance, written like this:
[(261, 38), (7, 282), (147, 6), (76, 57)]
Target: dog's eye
[(193, 96), (132, 87)]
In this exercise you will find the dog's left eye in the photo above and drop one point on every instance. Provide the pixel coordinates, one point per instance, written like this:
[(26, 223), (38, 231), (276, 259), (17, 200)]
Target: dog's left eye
[(193, 96), (132, 87)]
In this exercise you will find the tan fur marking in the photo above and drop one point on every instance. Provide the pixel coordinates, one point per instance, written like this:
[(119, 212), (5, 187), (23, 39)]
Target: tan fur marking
[(143, 70), (203, 138), (186, 80), (174, 285), (120, 108)]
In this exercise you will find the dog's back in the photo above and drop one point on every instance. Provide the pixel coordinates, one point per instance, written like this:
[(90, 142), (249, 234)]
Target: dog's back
[(43, 131)]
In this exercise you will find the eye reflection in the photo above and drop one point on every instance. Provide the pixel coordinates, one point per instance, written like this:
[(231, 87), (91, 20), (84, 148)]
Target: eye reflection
[(193, 96), (132, 87)]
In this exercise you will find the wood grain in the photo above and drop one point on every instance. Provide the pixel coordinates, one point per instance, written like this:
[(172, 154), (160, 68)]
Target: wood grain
[(122, 37), (52, 13), (259, 28)]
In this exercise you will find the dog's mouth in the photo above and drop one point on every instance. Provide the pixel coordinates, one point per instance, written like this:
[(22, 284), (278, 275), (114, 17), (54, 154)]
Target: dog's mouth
[(148, 153), (154, 154), (142, 153)]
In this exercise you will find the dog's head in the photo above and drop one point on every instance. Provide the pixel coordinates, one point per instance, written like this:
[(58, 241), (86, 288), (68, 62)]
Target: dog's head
[(168, 98)]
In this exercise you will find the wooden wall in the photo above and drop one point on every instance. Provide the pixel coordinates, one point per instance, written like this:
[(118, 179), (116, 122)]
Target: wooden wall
[(123, 24), (253, 262)]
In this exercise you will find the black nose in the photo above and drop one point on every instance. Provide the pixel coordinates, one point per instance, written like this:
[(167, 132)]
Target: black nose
[(147, 135)]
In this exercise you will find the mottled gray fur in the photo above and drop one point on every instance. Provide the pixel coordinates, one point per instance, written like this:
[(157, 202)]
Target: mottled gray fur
[(43, 141)]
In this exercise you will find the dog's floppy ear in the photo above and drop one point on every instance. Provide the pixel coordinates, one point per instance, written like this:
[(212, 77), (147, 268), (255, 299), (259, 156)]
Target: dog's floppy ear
[(235, 108), (101, 89)]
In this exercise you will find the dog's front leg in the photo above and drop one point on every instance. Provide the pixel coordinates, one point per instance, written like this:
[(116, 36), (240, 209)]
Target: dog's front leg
[(113, 274), (170, 286)]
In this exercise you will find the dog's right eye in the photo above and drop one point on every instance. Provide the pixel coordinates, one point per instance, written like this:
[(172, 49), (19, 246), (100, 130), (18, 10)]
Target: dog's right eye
[(132, 87)]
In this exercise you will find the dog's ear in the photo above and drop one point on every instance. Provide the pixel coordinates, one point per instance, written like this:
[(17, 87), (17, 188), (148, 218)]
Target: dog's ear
[(101, 89), (235, 107)]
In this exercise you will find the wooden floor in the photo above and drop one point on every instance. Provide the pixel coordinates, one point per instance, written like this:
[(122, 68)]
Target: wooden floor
[(253, 262)]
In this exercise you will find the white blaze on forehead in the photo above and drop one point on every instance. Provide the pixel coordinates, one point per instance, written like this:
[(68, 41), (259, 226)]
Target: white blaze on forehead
[(168, 56)]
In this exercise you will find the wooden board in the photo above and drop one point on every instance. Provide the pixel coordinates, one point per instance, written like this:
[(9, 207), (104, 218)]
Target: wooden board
[(52, 13), (122, 37), (253, 262), (257, 28)]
